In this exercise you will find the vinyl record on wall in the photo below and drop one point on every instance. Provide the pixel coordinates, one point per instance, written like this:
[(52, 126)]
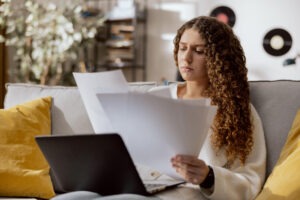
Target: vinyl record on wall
[(277, 42), (224, 14)]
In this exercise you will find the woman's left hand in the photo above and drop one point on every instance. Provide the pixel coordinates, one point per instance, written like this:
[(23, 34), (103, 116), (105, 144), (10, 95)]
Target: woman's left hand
[(191, 168)]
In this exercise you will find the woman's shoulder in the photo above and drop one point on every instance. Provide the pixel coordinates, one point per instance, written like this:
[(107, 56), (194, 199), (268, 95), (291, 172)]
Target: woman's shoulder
[(253, 111), (159, 88), (170, 87), (256, 120), (162, 91)]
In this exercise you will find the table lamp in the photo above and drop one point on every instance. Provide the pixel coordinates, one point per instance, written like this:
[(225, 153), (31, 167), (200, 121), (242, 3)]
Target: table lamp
[(290, 61)]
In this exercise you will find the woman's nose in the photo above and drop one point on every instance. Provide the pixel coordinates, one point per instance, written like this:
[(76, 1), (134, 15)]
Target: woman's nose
[(188, 56)]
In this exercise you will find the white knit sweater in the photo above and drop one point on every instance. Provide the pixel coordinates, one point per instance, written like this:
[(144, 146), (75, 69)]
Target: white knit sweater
[(240, 182)]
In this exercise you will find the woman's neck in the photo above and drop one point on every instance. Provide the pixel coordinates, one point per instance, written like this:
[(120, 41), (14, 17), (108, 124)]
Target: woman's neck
[(191, 90)]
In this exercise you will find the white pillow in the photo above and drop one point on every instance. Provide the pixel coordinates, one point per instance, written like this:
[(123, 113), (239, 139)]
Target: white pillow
[(69, 115), (68, 112)]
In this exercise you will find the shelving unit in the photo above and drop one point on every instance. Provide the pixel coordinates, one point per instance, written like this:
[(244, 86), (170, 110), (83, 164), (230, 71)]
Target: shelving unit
[(121, 43)]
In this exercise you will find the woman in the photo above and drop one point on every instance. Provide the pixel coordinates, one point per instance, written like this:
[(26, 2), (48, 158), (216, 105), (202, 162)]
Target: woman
[(231, 164)]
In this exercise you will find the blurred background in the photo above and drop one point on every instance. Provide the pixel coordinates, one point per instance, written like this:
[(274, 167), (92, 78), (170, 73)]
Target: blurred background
[(57, 38)]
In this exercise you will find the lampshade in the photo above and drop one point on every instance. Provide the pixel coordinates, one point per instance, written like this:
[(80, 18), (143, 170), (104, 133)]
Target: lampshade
[(289, 61)]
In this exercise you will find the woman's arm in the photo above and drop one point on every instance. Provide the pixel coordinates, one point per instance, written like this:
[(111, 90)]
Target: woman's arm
[(243, 181), (237, 182)]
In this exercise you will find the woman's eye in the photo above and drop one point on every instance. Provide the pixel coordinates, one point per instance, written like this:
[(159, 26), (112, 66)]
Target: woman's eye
[(182, 48), (199, 51)]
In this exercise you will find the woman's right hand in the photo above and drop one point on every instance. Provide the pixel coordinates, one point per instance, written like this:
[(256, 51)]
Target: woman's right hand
[(191, 168)]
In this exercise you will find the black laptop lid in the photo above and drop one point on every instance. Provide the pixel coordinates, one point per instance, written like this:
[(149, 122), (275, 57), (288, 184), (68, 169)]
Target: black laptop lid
[(98, 163)]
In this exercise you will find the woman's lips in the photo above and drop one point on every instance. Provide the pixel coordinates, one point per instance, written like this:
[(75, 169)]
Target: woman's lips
[(186, 69)]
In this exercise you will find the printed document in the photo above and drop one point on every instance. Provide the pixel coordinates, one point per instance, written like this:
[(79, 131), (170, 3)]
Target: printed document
[(91, 83), (154, 127)]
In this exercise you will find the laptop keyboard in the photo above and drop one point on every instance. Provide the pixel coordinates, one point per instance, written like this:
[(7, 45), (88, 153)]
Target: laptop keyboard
[(155, 187)]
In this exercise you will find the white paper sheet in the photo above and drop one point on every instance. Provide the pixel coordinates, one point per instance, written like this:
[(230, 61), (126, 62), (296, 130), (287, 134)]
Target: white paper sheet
[(155, 128), (99, 82)]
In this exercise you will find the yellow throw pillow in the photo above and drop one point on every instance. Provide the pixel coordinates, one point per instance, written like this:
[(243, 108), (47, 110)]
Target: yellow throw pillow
[(284, 181), (24, 172)]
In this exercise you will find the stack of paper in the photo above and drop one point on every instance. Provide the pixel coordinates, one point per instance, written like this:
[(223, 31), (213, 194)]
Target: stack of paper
[(154, 128)]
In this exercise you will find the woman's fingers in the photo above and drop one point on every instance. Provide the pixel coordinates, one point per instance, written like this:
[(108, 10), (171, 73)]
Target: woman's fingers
[(188, 160), (189, 176), (190, 168)]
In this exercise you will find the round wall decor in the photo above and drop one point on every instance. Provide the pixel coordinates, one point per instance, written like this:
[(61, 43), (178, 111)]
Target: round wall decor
[(224, 14), (277, 42)]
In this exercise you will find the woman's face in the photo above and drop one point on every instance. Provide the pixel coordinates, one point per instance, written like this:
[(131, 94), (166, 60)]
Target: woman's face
[(191, 58)]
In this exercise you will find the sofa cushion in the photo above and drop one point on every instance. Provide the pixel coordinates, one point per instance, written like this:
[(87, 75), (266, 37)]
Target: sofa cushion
[(69, 115), (277, 103), (284, 181), (23, 169)]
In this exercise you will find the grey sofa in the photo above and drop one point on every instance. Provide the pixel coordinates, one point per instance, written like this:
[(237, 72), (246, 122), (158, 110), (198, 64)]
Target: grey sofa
[(276, 102)]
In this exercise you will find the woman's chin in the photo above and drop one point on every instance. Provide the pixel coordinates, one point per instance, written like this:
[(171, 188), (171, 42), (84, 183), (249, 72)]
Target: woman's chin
[(188, 77)]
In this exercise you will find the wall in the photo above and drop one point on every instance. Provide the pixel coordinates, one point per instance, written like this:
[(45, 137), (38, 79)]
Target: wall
[(253, 19), (164, 18)]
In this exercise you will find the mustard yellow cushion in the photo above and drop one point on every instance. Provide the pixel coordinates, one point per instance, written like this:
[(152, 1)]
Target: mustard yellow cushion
[(284, 181), (24, 172)]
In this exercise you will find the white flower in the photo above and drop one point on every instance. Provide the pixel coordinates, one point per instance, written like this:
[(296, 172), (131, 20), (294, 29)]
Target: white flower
[(37, 70), (11, 41), (77, 37), (92, 33), (36, 53), (78, 9), (29, 18), (46, 34), (20, 52), (51, 6), (28, 4), (61, 19), (2, 39), (69, 27)]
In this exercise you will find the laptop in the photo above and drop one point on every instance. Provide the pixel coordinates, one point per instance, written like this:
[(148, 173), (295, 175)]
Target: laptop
[(97, 162)]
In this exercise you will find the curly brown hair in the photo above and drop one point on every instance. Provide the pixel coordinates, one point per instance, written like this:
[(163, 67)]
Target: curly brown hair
[(228, 86)]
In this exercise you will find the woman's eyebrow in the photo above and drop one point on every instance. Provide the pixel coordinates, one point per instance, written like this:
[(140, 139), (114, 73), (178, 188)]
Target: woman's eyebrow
[(194, 45)]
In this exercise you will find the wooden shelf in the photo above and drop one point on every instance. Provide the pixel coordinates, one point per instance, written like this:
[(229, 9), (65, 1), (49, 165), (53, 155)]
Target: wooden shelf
[(122, 42)]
